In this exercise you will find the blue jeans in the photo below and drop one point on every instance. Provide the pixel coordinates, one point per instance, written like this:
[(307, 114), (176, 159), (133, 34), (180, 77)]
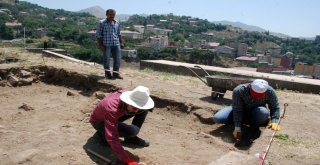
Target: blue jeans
[(116, 54), (255, 117), (124, 129)]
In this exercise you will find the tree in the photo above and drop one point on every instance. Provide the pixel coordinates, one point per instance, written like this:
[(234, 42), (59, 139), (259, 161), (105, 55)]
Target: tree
[(178, 37), (145, 53)]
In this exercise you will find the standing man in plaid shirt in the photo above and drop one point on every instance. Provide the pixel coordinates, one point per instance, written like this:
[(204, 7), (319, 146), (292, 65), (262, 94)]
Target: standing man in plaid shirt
[(249, 106), (110, 42)]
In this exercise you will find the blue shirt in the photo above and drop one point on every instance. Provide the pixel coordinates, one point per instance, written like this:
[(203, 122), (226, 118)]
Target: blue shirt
[(109, 32), (242, 101)]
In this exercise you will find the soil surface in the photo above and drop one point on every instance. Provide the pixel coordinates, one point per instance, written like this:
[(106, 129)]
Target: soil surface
[(47, 123)]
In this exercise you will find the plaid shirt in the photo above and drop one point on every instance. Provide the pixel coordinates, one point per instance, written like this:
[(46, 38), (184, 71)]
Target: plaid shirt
[(108, 32), (242, 101)]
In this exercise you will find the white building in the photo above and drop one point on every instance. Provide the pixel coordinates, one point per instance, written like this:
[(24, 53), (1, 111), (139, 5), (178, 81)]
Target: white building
[(131, 34), (212, 45), (158, 42), (240, 48), (225, 50), (129, 54), (159, 31), (139, 28), (150, 26)]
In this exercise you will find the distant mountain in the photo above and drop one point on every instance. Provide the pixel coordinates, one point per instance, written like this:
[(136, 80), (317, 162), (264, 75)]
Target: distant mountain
[(8, 1), (96, 11), (242, 26), (99, 12), (251, 28)]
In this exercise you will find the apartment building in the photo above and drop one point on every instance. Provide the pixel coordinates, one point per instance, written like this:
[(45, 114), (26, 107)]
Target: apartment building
[(131, 34), (158, 42), (303, 69), (139, 28), (159, 31), (225, 50), (149, 26), (240, 48)]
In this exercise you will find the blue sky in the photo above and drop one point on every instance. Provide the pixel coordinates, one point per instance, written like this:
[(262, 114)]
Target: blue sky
[(297, 18)]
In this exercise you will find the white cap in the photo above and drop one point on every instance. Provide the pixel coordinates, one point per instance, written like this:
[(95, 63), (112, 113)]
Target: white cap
[(259, 86)]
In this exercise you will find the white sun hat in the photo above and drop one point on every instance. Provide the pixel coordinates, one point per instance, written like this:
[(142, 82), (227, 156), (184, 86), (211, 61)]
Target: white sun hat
[(139, 97)]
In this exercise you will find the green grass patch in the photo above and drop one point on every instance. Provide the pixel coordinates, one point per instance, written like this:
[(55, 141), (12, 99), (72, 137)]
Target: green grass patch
[(283, 137), (158, 73)]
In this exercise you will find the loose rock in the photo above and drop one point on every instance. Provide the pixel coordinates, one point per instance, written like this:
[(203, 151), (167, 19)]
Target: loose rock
[(25, 74), (13, 80), (69, 93), (100, 95), (26, 81), (26, 107), (3, 83)]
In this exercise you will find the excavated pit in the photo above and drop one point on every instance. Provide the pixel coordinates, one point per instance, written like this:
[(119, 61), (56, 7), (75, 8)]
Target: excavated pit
[(87, 84), (44, 118)]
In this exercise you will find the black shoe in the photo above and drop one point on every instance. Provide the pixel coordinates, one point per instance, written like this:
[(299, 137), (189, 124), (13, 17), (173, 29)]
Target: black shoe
[(136, 141), (108, 76), (117, 76), (254, 133)]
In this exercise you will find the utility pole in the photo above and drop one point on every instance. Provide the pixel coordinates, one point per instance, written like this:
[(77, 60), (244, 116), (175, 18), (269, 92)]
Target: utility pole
[(24, 36)]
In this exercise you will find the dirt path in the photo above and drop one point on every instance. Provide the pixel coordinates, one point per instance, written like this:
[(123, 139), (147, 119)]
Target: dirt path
[(56, 131)]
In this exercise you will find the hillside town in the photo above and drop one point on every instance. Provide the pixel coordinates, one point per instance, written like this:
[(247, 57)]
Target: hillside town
[(269, 59)]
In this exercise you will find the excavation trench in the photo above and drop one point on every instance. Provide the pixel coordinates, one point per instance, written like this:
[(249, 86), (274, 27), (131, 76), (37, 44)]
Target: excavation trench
[(87, 84), (44, 117)]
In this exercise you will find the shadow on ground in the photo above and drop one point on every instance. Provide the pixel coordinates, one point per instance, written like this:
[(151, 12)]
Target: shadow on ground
[(100, 147), (219, 101), (224, 132)]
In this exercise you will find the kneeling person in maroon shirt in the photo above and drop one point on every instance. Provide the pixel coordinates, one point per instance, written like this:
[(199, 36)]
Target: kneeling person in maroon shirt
[(108, 116)]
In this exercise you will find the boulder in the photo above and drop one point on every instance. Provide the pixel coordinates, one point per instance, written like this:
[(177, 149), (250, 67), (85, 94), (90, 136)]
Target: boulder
[(26, 81), (13, 80), (25, 74)]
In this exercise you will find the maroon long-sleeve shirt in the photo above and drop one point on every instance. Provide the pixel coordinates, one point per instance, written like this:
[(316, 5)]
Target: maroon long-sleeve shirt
[(109, 110)]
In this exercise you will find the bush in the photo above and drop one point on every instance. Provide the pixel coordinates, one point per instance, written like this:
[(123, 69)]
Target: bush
[(87, 54), (29, 41)]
